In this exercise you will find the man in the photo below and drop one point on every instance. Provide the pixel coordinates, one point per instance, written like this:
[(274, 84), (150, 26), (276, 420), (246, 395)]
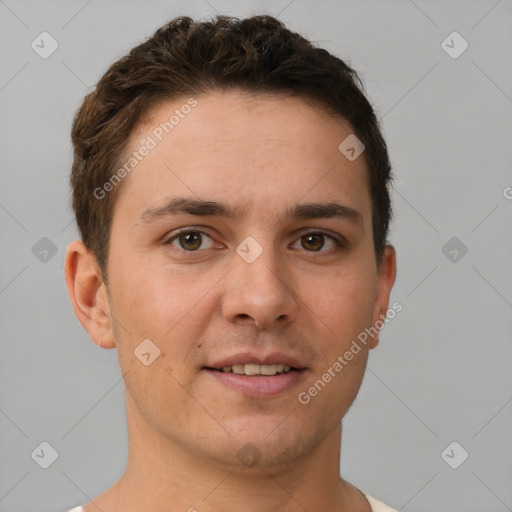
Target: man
[(230, 188)]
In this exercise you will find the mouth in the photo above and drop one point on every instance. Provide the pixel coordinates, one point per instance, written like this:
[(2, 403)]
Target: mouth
[(258, 378), (252, 370)]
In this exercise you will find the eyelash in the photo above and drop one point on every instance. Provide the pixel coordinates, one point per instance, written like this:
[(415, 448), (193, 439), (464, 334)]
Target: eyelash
[(340, 242)]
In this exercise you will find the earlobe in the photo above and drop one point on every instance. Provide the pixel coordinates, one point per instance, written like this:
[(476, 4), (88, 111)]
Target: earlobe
[(385, 281), (87, 293)]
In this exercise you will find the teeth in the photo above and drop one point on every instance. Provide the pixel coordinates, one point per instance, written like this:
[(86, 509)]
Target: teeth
[(252, 369), (238, 368), (257, 369), (268, 369)]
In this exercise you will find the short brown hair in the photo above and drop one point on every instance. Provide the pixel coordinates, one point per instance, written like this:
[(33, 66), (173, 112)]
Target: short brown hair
[(258, 55)]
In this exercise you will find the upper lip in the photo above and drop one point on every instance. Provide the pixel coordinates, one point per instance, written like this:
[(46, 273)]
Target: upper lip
[(253, 358)]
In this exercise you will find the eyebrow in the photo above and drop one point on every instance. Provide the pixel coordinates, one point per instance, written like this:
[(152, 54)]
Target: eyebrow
[(202, 208)]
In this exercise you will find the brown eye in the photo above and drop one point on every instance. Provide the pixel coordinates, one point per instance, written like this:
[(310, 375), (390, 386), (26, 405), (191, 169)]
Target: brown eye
[(313, 242), (320, 242), (190, 240)]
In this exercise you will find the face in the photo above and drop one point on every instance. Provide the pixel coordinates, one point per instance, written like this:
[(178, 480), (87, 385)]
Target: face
[(242, 243)]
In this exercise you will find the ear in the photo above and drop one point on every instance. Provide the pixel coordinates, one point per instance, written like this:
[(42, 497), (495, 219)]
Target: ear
[(88, 294), (385, 280)]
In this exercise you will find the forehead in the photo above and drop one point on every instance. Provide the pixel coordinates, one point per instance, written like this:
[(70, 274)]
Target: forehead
[(245, 149)]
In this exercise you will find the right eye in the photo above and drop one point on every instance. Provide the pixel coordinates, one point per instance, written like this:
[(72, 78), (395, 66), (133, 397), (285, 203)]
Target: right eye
[(189, 240)]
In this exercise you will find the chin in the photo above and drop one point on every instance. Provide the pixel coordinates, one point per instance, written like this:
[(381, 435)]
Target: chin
[(262, 443)]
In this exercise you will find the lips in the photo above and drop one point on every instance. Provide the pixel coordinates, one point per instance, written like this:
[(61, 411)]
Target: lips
[(256, 375), (257, 369), (247, 358)]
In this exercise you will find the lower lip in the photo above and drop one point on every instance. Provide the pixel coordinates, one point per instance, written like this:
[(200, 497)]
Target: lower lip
[(259, 385)]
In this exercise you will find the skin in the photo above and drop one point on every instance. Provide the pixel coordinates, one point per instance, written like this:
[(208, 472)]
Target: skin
[(267, 154)]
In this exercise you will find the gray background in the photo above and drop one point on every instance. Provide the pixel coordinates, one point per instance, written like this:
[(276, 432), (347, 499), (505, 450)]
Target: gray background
[(442, 370)]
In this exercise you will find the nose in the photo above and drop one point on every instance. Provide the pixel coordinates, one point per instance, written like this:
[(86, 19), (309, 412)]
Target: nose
[(257, 293)]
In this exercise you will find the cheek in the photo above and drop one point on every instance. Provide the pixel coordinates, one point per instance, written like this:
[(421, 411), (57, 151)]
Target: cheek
[(163, 305), (152, 295), (345, 302), (348, 307)]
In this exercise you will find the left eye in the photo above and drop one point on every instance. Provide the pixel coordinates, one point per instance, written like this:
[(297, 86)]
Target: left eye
[(316, 241)]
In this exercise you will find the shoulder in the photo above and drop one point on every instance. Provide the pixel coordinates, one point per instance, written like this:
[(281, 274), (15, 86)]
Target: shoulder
[(377, 506)]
